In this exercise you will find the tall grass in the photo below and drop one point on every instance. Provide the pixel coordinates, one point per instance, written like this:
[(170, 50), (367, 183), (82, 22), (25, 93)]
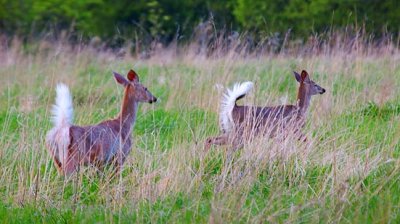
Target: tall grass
[(347, 171)]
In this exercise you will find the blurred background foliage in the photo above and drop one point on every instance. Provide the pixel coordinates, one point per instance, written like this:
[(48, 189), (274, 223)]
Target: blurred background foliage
[(166, 19)]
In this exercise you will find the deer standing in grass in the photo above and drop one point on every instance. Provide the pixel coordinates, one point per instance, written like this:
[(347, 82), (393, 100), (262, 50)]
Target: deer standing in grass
[(244, 122), (107, 142)]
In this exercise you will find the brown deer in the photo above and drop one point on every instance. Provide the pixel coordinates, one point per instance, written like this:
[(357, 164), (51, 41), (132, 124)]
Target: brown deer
[(107, 142), (244, 122)]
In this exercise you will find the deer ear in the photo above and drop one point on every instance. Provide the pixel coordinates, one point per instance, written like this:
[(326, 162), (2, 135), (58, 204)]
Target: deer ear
[(297, 76), (304, 76), (132, 76), (120, 79)]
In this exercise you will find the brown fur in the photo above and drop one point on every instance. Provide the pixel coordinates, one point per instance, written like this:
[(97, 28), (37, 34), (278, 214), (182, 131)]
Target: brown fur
[(250, 121), (107, 142)]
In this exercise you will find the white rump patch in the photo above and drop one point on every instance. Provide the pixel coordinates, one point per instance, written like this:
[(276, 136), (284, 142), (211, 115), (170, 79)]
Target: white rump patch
[(58, 138)]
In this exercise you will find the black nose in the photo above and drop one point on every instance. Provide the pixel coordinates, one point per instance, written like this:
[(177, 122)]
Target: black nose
[(153, 100), (323, 91)]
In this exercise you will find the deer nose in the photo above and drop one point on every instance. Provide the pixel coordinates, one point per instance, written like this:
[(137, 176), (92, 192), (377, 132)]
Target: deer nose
[(153, 100), (323, 91)]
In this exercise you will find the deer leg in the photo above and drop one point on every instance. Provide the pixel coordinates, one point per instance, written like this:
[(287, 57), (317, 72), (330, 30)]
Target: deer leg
[(72, 161), (118, 165), (237, 144), (119, 160), (238, 141), (57, 162), (302, 137)]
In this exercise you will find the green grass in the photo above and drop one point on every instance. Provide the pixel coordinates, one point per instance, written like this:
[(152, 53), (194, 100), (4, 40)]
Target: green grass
[(348, 171)]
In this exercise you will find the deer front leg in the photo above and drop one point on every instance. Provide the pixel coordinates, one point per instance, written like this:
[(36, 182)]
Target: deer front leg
[(120, 158), (119, 164), (300, 135), (237, 144)]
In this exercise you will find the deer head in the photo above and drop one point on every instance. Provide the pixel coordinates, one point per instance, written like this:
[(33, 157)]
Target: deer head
[(309, 85), (133, 88)]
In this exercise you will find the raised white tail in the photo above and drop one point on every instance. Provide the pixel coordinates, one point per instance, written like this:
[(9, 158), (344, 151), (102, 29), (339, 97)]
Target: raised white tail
[(234, 119), (58, 138), (228, 102), (108, 142), (62, 111)]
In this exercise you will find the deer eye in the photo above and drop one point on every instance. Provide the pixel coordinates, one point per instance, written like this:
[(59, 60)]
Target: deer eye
[(145, 88)]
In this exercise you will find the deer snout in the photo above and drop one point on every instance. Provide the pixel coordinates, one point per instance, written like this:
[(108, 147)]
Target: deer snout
[(153, 100), (322, 91), (207, 144)]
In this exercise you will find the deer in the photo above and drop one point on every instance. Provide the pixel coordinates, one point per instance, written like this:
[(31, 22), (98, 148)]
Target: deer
[(108, 142), (238, 123)]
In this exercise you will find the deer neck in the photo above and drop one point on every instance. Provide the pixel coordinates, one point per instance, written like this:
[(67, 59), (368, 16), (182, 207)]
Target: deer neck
[(128, 113), (303, 99)]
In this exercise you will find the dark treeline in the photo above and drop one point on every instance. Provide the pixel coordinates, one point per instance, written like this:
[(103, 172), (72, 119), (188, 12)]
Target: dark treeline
[(165, 19)]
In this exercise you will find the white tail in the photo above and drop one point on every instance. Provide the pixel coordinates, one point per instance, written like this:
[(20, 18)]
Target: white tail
[(228, 102), (109, 141), (263, 120), (62, 116), (62, 111)]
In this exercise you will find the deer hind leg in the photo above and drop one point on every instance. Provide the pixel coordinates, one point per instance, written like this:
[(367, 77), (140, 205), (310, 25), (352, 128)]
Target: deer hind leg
[(55, 158), (72, 160), (79, 151), (57, 153), (56, 144)]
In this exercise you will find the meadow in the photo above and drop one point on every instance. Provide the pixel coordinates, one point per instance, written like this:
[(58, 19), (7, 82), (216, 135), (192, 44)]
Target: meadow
[(348, 170)]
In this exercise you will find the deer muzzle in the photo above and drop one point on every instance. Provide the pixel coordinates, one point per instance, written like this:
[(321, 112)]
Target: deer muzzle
[(153, 100)]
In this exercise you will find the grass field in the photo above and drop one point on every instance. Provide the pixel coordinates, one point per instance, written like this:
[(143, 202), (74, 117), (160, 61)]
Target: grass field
[(348, 171)]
